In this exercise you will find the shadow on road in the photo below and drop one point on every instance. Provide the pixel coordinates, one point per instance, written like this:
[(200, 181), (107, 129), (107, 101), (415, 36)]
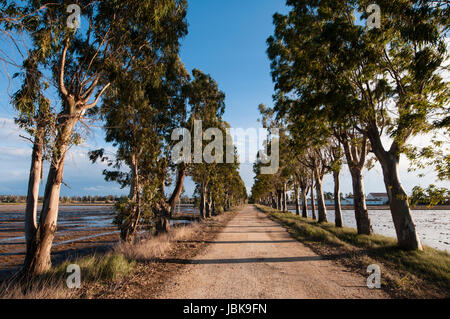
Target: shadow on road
[(248, 260)]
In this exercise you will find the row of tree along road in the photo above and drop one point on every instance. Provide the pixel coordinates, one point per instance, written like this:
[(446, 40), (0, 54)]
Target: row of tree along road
[(121, 66), (343, 91)]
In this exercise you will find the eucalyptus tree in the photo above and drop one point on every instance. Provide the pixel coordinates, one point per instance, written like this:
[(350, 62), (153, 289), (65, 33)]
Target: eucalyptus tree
[(283, 177), (140, 111), (37, 119), (318, 162), (207, 105), (356, 148), (303, 180), (263, 187), (400, 91), (81, 61), (387, 80), (335, 154)]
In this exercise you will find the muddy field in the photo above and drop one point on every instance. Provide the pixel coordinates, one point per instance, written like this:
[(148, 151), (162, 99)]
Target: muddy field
[(81, 230)]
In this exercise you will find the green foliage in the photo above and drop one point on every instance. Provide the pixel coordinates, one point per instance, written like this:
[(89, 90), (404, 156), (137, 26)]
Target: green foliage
[(219, 183), (431, 196), (331, 73)]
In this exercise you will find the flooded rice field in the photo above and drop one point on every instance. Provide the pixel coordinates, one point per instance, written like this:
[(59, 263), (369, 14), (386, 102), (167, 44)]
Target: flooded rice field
[(79, 227), (433, 226)]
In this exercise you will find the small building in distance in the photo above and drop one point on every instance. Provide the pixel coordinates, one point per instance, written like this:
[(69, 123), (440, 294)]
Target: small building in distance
[(372, 199), (377, 199)]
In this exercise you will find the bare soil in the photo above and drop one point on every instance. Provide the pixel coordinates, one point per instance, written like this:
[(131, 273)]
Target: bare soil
[(254, 257)]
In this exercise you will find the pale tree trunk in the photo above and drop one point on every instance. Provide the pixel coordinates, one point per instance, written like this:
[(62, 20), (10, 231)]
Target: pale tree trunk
[(405, 227), (356, 160), (38, 260), (363, 223), (321, 208), (313, 203), (33, 192), (304, 203), (297, 202), (337, 200), (399, 205)]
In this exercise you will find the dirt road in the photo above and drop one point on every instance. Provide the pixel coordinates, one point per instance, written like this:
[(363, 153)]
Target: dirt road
[(254, 257)]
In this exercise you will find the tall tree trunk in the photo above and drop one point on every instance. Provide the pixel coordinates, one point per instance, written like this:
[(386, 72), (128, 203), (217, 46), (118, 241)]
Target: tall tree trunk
[(163, 218), (398, 200), (129, 226), (33, 193), (337, 200), (208, 205), (363, 223), (321, 208), (304, 203), (284, 198), (213, 207), (38, 260), (203, 201), (274, 201), (313, 202), (279, 204), (297, 202)]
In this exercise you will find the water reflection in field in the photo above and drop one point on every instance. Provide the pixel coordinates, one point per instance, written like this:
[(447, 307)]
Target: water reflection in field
[(433, 226), (95, 220)]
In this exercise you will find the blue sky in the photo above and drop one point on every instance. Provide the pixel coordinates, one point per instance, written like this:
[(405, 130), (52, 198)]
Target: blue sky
[(227, 39)]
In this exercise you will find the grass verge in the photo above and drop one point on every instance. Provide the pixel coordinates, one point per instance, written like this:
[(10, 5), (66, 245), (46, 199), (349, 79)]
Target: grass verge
[(52, 285), (405, 274)]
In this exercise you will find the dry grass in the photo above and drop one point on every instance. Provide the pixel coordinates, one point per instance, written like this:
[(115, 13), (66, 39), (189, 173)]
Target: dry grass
[(47, 287), (52, 285), (109, 267), (158, 246)]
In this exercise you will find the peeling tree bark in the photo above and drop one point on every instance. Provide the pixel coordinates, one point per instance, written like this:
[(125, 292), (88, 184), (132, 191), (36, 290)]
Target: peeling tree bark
[(38, 261), (33, 193)]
